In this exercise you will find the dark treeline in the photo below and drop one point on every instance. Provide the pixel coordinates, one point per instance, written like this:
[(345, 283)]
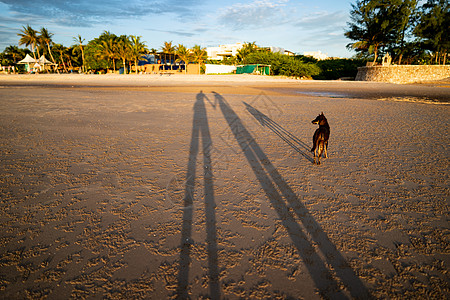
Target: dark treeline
[(409, 32), (106, 52)]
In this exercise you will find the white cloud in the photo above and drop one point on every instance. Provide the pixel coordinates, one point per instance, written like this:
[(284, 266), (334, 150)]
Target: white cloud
[(320, 20), (260, 13), (87, 12)]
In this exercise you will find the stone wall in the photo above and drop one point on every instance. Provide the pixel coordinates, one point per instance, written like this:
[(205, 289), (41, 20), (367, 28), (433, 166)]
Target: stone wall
[(403, 73)]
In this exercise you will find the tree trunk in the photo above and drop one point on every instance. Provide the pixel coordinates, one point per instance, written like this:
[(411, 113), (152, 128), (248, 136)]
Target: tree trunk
[(62, 60), (136, 65), (83, 69), (32, 48), (375, 52), (124, 66), (51, 56)]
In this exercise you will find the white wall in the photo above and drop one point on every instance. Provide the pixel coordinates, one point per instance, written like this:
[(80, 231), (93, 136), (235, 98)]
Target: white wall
[(219, 69)]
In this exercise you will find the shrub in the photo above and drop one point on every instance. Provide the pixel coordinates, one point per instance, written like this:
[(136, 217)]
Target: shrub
[(332, 69), (283, 64)]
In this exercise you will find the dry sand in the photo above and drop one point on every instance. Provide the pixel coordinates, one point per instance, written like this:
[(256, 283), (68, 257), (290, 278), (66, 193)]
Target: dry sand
[(161, 187)]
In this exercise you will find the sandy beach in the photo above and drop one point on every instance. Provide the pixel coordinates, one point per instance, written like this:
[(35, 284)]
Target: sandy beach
[(163, 187)]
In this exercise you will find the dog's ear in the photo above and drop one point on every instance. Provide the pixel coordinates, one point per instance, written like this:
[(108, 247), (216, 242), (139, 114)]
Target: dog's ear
[(322, 113)]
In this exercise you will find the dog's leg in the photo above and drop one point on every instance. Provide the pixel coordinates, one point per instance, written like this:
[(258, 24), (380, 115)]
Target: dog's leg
[(325, 149), (315, 136), (320, 146), (315, 152)]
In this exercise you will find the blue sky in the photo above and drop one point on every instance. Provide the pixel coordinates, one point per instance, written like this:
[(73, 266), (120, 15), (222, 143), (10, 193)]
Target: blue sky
[(298, 26)]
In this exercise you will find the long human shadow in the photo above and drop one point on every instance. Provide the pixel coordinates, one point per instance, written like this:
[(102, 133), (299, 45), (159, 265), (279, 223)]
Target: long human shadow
[(200, 129), (300, 233), (285, 135)]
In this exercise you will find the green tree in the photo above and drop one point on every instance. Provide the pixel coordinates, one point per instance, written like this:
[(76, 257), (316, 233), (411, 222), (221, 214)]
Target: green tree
[(283, 64), (29, 38), (433, 28), (401, 15), (185, 55), (46, 38), (80, 46), (154, 52), (107, 47), (137, 49), (370, 26), (62, 52), (199, 55), (123, 48), (13, 54), (168, 48), (332, 69), (245, 51)]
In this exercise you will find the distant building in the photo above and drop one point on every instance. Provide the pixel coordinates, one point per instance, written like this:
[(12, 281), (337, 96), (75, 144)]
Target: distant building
[(278, 50), (274, 49), (316, 54), (228, 50), (289, 53)]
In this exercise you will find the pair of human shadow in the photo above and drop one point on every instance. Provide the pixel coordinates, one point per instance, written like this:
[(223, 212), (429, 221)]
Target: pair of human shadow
[(325, 264)]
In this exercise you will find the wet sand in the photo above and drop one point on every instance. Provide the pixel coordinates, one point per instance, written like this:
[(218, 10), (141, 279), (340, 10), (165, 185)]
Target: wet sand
[(159, 187)]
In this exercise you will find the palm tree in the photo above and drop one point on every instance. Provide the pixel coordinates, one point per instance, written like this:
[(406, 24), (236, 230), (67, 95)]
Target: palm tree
[(154, 52), (169, 49), (246, 49), (71, 56), (46, 38), (137, 48), (107, 44), (15, 53), (62, 51), (123, 50), (29, 38), (184, 55), (199, 55), (371, 46), (80, 41), (12, 54)]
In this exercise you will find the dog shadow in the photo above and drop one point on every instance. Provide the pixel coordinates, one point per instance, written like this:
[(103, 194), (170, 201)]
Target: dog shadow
[(290, 139)]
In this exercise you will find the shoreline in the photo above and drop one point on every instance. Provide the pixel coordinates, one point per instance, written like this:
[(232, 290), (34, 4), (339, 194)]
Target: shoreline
[(426, 92), (197, 78), (139, 78)]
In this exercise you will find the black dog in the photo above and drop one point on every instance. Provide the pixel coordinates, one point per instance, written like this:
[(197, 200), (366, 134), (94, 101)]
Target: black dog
[(320, 138)]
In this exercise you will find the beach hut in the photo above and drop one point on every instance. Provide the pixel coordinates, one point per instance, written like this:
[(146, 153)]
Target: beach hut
[(37, 67), (37, 63), (28, 60), (42, 61)]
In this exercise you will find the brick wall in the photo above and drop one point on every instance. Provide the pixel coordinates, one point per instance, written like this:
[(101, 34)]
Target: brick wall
[(403, 73)]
